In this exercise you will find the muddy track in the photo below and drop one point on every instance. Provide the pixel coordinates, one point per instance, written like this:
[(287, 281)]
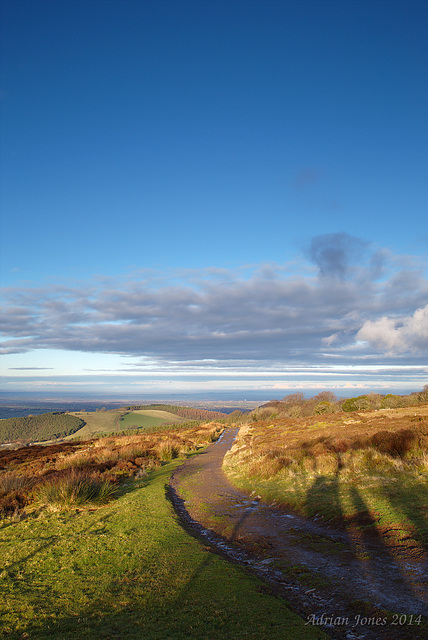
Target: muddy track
[(355, 585)]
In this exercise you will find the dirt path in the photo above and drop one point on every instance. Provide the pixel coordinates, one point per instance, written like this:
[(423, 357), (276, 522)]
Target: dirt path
[(355, 585)]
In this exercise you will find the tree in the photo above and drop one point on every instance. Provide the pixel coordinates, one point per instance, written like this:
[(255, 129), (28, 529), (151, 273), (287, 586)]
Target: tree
[(324, 407)]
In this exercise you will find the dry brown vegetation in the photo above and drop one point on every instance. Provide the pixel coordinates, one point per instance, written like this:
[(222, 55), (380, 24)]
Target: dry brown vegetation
[(296, 405), (24, 471)]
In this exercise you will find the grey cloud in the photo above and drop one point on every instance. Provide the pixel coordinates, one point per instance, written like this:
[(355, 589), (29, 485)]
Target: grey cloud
[(336, 253), (378, 263), (267, 316), (29, 368)]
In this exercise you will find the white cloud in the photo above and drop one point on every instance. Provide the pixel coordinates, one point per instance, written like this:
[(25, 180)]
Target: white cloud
[(397, 336)]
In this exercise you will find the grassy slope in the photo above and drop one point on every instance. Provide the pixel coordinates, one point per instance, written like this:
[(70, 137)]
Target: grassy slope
[(157, 413), (128, 570), (149, 418), (99, 422), (390, 499)]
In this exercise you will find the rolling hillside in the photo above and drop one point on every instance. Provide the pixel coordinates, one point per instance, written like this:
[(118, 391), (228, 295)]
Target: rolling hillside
[(46, 426), (83, 425)]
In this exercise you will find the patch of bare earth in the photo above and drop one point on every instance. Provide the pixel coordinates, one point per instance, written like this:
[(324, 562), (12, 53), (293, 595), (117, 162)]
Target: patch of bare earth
[(352, 584)]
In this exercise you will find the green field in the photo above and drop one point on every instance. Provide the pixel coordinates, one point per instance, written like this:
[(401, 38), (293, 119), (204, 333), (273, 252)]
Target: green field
[(148, 418), (101, 422), (97, 422), (128, 570)]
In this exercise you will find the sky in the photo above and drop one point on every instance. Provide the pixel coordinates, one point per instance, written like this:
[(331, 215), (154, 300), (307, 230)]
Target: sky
[(208, 197)]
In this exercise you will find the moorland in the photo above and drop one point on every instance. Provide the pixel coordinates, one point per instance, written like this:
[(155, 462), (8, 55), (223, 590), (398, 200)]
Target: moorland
[(91, 544)]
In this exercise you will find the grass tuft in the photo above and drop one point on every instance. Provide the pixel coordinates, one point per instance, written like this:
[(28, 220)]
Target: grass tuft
[(167, 450), (73, 490), (10, 481)]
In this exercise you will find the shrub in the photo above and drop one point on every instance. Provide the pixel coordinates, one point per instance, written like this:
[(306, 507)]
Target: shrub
[(12, 502), (349, 405), (294, 411), (361, 403), (396, 443), (323, 407), (391, 401)]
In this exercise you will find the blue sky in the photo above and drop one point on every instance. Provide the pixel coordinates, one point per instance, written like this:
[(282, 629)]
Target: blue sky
[(206, 196)]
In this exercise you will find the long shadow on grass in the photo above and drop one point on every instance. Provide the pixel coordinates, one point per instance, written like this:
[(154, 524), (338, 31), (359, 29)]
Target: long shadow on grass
[(376, 553), (371, 558), (50, 540), (204, 565), (411, 500), (324, 496)]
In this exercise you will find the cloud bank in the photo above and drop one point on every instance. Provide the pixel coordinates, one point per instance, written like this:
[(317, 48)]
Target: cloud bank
[(352, 302)]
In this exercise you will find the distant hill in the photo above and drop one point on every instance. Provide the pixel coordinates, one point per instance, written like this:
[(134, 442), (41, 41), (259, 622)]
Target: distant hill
[(47, 426)]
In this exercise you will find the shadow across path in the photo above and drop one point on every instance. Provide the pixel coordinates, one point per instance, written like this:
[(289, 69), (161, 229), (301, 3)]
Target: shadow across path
[(320, 569)]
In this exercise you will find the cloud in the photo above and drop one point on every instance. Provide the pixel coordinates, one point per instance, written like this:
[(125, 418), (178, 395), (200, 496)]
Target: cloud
[(29, 368), (397, 336), (265, 315), (306, 177), (336, 253)]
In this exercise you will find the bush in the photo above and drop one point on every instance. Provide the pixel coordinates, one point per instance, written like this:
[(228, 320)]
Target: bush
[(360, 403), (323, 407), (391, 401)]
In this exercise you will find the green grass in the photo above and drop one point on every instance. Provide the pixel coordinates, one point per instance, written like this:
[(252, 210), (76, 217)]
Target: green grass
[(97, 422), (147, 419), (102, 422), (128, 570)]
